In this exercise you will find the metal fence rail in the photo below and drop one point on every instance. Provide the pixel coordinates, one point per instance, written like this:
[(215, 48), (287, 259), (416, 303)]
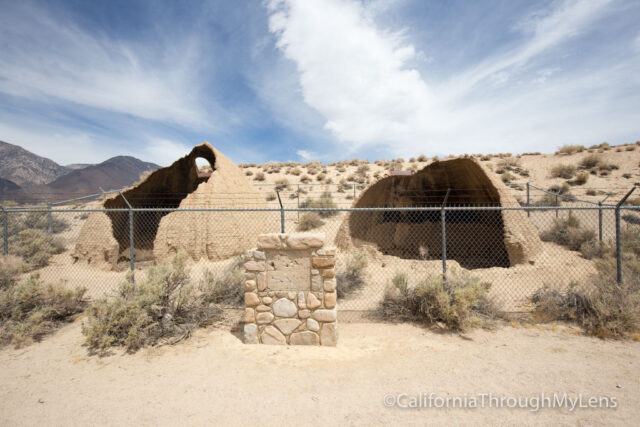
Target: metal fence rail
[(420, 242)]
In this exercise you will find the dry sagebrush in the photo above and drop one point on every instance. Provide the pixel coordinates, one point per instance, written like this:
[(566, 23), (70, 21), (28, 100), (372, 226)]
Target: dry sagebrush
[(165, 308), (459, 303), (31, 309)]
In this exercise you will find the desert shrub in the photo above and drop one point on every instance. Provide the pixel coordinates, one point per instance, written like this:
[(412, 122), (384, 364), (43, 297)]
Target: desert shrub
[(295, 171), (590, 161), (10, 268), (321, 177), (627, 175), (353, 276), (35, 247), (631, 219), (607, 166), (563, 171), (591, 192), (610, 310), (510, 163), (271, 197), (460, 302), (282, 184), (507, 177), (31, 309), (563, 189), (568, 232), (362, 170), (570, 149), (422, 158), (259, 176), (309, 221), (163, 308), (305, 179), (226, 287), (248, 173), (325, 201), (40, 221), (581, 178)]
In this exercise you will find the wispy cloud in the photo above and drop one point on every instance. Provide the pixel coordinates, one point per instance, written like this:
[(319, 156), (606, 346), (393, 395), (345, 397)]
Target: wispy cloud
[(306, 155), (358, 76), (47, 57)]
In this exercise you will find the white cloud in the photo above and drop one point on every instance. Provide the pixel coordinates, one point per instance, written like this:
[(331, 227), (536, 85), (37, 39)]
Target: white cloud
[(350, 72), (49, 58), (61, 145), (164, 152), (356, 75), (307, 155)]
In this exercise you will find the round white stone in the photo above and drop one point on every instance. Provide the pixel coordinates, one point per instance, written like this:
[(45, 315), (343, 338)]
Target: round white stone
[(284, 307)]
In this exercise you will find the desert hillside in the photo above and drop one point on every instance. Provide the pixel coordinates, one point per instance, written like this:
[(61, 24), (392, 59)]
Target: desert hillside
[(586, 173)]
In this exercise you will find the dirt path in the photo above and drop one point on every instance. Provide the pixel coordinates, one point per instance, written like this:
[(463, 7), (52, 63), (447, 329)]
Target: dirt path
[(215, 379)]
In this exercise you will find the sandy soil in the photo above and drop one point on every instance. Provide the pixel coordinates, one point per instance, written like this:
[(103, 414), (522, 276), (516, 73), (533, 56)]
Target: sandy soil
[(214, 378)]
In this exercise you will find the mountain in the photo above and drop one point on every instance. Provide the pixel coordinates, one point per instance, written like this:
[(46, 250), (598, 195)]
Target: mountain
[(75, 166), (25, 168), (117, 172), (7, 185)]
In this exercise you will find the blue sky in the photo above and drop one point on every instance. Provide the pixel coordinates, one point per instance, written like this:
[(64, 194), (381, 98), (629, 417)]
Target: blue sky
[(82, 81)]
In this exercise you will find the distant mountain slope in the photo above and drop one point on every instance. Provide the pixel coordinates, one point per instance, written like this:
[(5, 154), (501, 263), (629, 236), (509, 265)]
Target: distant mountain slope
[(117, 172), (7, 185), (25, 168), (75, 166)]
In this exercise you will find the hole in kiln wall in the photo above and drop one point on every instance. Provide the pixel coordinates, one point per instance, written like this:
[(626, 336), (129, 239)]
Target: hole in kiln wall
[(164, 188)]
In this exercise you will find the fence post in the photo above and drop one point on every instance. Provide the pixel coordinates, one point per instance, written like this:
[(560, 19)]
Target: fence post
[(444, 236), (132, 262), (618, 239), (281, 212), (298, 202), (5, 229), (557, 203), (600, 222), (528, 200), (50, 219)]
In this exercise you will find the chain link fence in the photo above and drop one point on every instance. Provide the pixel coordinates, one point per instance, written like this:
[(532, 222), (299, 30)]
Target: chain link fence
[(517, 249)]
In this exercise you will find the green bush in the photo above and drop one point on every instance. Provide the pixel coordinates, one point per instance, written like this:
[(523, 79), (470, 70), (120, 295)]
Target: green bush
[(353, 276), (568, 232), (29, 310), (163, 308), (309, 221), (461, 302), (226, 288), (35, 247)]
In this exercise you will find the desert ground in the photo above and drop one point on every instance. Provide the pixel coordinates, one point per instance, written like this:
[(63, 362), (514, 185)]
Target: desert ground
[(213, 378)]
